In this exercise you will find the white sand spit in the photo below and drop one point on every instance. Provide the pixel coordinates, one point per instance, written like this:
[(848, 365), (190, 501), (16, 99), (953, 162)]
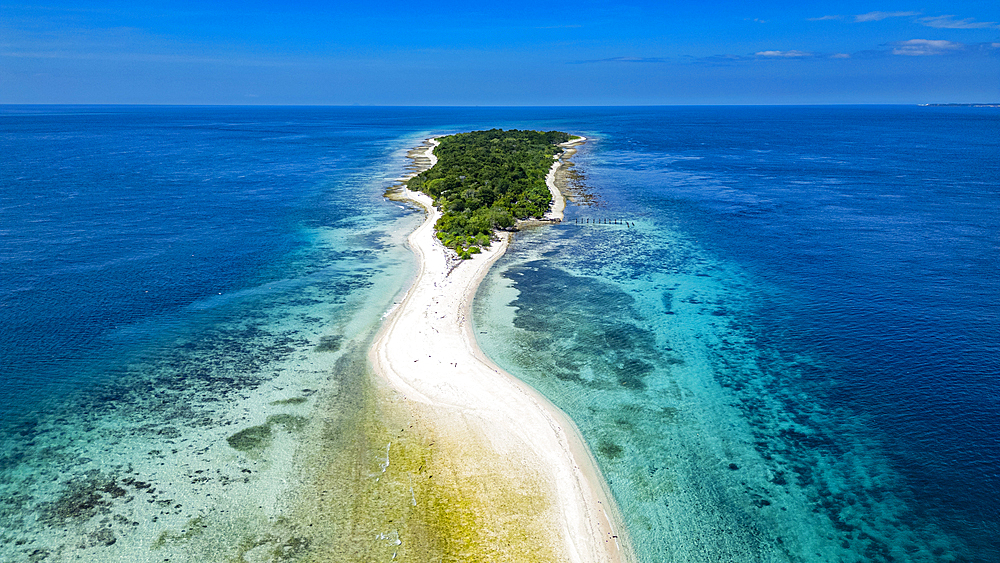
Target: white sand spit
[(427, 352)]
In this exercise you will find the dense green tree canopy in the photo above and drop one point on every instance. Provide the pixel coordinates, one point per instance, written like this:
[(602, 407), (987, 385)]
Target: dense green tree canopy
[(486, 180)]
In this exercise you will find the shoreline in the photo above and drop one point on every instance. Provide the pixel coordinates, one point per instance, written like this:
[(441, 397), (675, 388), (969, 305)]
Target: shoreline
[(555, 213), (427, 353)]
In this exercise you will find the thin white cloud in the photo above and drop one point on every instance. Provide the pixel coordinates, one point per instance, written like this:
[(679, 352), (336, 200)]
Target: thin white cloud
[(721, 60), (144, 58), (878, 16), (823, 18), (783, 54), (913, 47), (623, 60), (949, 22), (924, 47)]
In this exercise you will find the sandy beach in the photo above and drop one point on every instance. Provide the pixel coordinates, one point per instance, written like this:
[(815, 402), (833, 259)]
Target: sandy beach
[(555, 213), (495, 431)]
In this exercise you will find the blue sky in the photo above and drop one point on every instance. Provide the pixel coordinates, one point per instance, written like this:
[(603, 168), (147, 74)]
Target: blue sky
[(509, 53)]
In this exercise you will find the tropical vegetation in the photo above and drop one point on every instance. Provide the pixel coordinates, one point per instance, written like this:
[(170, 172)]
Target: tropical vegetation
[(487, 180)]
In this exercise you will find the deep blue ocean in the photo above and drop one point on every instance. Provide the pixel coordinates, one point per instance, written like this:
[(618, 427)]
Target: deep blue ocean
[(776, 327)]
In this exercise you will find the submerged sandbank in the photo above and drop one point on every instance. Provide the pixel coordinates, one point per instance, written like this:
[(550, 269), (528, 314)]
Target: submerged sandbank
[(518, 463)]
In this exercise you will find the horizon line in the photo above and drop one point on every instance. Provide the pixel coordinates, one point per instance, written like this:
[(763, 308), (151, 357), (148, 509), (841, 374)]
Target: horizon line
[(106, 104)]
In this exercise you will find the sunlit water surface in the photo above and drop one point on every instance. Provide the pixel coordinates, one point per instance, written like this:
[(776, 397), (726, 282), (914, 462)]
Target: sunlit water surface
[(776, 327)]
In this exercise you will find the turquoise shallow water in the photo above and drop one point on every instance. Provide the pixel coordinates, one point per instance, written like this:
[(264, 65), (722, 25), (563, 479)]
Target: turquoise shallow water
[(179, 303), (788, 354), (708, 452)]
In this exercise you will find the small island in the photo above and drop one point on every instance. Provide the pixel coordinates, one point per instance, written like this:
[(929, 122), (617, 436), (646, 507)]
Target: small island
[(485, 181)]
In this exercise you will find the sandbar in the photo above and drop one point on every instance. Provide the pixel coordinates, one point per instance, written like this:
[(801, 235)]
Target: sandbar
[(427, 352)]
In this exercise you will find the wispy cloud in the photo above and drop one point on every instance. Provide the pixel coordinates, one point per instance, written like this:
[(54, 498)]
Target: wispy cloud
[(783, 54), (912, 48), (878, 16), (944, 22), (925, 47), (623, 60), (146, 58), (949, 22), (719, 60), (775, 55)]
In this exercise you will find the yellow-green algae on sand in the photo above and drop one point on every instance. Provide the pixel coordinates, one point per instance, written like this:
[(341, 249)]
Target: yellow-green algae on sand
[(379, 478), (388, 484)]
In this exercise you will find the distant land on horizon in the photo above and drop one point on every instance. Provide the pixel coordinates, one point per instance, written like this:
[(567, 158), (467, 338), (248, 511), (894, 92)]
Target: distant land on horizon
[(990, 105)]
